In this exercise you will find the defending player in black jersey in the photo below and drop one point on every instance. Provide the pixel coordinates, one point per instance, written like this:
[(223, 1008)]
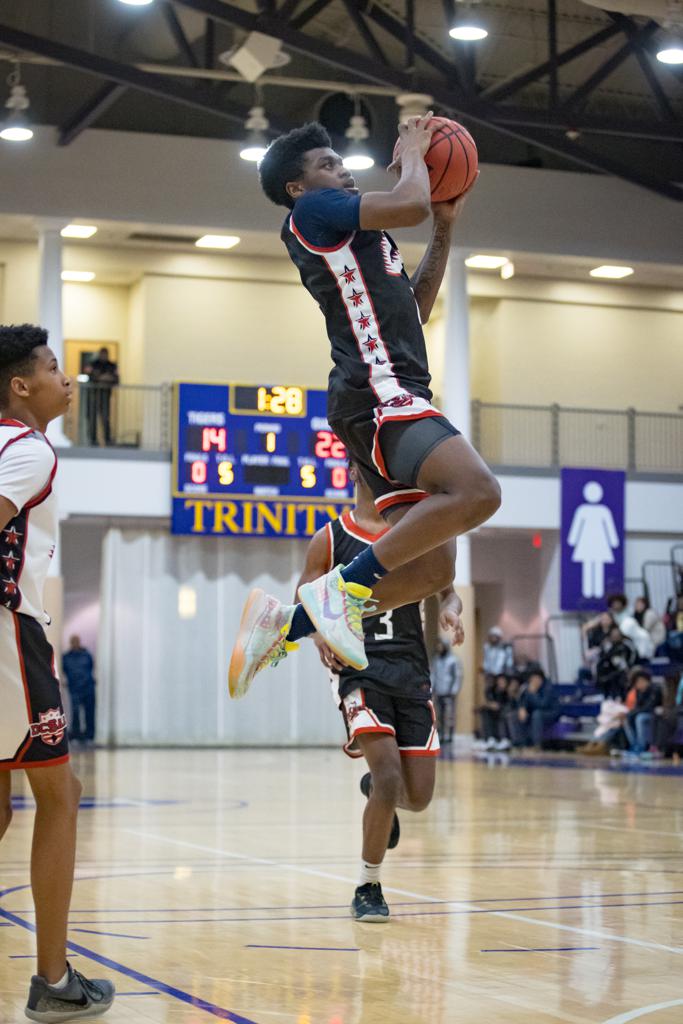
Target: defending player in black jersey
[(387, 706), (425, 477)]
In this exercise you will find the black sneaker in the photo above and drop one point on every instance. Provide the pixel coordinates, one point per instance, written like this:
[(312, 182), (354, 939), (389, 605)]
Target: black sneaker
[(395, 834), (79, 998), (368, 904)]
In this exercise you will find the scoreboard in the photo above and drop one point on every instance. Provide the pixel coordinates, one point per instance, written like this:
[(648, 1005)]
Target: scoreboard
[(255, 460)]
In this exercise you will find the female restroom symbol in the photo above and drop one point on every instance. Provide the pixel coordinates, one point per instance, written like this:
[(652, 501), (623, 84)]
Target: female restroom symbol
[(593, 538)]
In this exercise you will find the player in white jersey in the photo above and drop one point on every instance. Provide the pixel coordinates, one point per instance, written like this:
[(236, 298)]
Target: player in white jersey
[(33, 391)]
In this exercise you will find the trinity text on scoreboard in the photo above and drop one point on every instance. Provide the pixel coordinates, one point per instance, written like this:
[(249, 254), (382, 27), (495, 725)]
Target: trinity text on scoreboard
[(255, 460)]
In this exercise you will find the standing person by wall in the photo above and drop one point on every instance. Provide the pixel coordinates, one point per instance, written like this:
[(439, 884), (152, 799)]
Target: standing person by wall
[(447, 677), (498, 658), (78, 669), (104, 377)]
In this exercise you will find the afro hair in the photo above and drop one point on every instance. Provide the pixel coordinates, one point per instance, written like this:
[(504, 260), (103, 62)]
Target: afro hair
[(284, 160)]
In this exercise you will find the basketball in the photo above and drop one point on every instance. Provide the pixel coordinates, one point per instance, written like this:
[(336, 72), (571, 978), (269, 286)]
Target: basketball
[(452, 160)]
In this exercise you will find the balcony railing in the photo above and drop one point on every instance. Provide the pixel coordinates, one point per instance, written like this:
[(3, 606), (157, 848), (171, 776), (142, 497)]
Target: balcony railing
[(555, 435), (138, 416)]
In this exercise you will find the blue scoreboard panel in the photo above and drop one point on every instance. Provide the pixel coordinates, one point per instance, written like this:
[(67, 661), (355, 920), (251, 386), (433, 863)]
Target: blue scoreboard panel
[(256, 460)]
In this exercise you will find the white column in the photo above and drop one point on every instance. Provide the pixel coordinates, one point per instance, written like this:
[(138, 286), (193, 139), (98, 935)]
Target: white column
[(50, 301), (455, 399)]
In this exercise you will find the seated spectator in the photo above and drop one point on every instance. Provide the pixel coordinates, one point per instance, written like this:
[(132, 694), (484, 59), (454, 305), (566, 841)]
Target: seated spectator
[(538, 708), (639, 723), (610, 728), (595, 631), (617, 656), (492, 716), (673, 621), (512, 703), (647, 618), (617, 606), (497, 655), (639, 637), (670, 720)]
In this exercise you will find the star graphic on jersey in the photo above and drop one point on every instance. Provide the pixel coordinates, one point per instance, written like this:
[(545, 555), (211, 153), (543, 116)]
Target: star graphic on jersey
[(356, 298), (364, 321), (10, 562), (348, 274), (371, 343), (10, 587), (12, 536)]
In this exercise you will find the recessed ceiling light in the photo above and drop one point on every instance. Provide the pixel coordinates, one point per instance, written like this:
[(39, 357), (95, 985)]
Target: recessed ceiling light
[(217, 241), (16, 133), (481, 262), (137, 3), (468, 33), (254, 154), (78, 231), (507, 270), (78, 275), (611, 272), (358, 162), (671, 55)]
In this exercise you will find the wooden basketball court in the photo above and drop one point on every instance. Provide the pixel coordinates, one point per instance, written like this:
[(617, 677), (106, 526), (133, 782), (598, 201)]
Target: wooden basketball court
[(216, 884)]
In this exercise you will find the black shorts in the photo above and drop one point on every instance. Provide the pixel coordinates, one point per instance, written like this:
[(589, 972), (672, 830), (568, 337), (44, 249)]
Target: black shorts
[(391, 469), (32, 720), (410, 720)]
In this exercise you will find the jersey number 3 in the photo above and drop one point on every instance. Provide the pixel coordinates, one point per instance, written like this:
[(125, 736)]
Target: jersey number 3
[(387, 623)]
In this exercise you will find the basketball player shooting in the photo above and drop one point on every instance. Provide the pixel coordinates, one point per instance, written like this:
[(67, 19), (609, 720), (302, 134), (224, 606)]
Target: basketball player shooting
[(427, 480)]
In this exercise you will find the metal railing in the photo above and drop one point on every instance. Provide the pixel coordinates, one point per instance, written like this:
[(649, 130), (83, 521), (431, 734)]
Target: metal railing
[(543, 436), (134, 416), (555, 435)]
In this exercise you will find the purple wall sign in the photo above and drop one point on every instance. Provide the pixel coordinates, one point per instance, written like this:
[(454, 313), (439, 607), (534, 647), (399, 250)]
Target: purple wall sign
[(592, 535)]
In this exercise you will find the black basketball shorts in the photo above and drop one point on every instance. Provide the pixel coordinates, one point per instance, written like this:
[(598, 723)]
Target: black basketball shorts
[(410, 720), (390, 449), (33, 730)]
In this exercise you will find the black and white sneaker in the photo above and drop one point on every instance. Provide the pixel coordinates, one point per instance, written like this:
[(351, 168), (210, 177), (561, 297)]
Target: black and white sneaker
[(80, 997), (369, 905), (395, 834)]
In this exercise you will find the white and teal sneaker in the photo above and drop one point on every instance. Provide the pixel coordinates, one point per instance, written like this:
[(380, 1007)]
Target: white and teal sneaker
[(336, 609), (261, 640)]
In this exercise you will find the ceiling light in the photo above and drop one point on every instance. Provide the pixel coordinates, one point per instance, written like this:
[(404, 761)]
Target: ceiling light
[(613, 273), (16, 127), (217, 241), (507, 270), (137, 3), (357, 157), (482, 262), (256, 144), (672, 53), (78, 231), (78, 275), (469, 33)]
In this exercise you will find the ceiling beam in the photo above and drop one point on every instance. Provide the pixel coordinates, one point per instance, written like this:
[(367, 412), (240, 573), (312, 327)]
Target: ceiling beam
[(646, 66), (301, 20), (554, 85), (288, 9), (89, 112), (371, 43), (513, 85), (654, 131), (199, 98), (178, 33), (605, 70)]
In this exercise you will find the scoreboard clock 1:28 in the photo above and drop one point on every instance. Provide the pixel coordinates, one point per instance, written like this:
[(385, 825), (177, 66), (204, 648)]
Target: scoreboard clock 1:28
[(255, 460)]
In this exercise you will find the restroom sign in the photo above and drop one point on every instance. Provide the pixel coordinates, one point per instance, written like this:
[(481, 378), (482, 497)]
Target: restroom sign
[(592, 535)]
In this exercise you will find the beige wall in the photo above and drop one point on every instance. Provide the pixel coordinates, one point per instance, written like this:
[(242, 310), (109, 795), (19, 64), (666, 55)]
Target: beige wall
[(95, 312)]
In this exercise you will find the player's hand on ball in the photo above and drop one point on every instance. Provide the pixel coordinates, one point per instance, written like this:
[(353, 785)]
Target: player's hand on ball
[(415, 132), (452, 208), (450, 620), (327, 655)]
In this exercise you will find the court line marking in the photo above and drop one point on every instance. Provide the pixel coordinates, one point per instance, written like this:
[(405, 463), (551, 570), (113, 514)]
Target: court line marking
[(113, 935), (509, 915), (541, 949), (144, 979), (645, 831), (316, 949), (642, 1011)]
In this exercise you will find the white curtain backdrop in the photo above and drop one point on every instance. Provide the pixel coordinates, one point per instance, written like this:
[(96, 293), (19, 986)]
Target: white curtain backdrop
[(162, 678)]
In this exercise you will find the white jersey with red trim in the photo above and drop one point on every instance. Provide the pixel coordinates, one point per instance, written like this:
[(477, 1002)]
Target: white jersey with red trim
[(373, 323), (27, 468)]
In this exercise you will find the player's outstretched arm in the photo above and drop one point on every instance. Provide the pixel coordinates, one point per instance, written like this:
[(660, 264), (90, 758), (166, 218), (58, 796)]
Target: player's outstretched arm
[(409, 202), (427, 279)]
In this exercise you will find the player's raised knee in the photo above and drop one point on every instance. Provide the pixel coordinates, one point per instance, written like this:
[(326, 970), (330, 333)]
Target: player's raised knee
[(486, 497), (387, 785)]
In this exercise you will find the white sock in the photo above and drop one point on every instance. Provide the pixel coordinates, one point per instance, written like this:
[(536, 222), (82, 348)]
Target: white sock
[(62, 983), (369, 872)]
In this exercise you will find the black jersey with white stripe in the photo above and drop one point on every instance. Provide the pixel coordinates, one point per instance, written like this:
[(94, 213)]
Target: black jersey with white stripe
[(365, 295), (394, 641)]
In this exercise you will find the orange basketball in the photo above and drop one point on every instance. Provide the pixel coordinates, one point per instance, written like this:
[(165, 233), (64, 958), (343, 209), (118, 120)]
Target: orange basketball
[(452, 159)]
